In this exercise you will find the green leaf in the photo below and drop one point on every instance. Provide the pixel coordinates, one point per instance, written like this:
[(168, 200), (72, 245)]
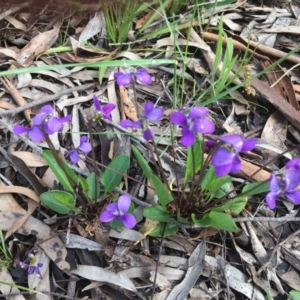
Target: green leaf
[(84, 184), (295, 294), (269, 296), (94, 187), (161, 190), (218, 182), (111, 176), (193, 165), (59, 173), (204, 222), (234, 206), (116, 224), (222, 221), (169, 230), (142, 162), (207, 179), (255, 188), (59, 201), (157, 213)]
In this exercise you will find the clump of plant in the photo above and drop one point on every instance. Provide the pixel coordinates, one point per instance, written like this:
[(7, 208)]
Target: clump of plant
[(206, 197)]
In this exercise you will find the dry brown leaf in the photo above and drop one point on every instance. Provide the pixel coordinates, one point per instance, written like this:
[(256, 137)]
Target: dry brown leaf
[(19, 223), (127, 105), (16, 95), (37, 45), (31, 160), (20, 190), (274, 133)]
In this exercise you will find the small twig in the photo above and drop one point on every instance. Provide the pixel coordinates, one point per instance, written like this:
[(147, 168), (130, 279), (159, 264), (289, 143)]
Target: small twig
[(40, 293), (265, 265), (47, 99), (267, 219)]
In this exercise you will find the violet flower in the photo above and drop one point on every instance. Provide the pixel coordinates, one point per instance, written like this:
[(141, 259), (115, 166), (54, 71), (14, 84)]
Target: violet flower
[(125, 78), (33, 267), (226, 158), (293, 163), (104, 111), (35, 133), (151, 114), (284, 186), (49, 121), (118, 211), (195, 121), (84, 147)]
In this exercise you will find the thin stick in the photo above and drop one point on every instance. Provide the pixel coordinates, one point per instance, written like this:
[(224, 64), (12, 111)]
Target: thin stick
[(47, 99)]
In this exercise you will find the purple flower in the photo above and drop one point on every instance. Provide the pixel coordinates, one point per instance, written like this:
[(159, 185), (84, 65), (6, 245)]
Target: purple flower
[(49, 121), (125, 78), (284, 186), (33, 266), (195, 121), (34, 133), (226, 158), (104, 111), (84, 146), (118, 211), (151, 114), (293, 163), (143, 77)]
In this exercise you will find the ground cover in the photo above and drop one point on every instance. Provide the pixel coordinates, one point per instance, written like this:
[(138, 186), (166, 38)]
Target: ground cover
[(149, 150)]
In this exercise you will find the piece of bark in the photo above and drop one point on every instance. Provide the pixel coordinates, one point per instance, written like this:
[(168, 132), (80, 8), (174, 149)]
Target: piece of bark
[(267, 93)]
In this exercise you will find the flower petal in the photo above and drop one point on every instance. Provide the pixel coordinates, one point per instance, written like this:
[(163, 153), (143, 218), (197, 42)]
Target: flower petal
[(178, 118), (223, 170), (19, 129), (112, 207), (74, 157), (291, 179), (129, 220), (234, 140), (271, 200), (39, 119), (143, 77), (222, 157), (210, 143), (198, 112), (36, 134), (129, 123), (155, 114), (124, 202), (148, 134), (22, 264), (31, 270), (248, 144), (204, 125), (47, 109), (236, 164), (83, 139), (294, 196), (65, 119), (38, 271), (106, 216), (96, 103), (188, 137), (53, 125), (293, 163), (107, 109), (85, 147), (123, 79), (274, 184)]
